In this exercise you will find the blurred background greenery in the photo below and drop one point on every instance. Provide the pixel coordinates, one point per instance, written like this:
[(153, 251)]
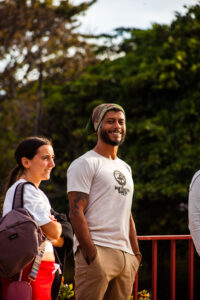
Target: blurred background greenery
[(53, 76)]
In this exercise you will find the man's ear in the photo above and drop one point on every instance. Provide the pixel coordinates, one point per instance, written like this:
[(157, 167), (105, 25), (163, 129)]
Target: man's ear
[(25, 162)]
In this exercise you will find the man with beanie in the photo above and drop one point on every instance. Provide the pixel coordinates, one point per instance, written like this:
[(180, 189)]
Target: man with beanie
[(100, 190)]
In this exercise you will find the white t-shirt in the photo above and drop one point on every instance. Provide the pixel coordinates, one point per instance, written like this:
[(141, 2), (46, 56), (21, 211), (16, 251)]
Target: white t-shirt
[(35, 201), (110, 187), (194, 210)]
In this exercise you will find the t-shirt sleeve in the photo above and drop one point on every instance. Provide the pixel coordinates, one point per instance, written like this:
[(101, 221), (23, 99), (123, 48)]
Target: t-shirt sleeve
[(37, 205), (194, 213), (79, 176)]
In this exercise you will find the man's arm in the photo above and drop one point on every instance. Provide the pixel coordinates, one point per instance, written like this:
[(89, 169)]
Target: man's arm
[(134, 240), (78, 202)]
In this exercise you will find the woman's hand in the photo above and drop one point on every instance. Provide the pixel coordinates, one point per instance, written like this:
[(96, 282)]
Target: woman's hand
[(53, 218), (59, 242)]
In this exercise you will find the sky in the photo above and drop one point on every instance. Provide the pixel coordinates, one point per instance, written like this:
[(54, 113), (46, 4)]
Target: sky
[(106, 15)]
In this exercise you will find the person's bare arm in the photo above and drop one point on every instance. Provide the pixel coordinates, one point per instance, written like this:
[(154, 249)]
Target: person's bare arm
[(52, 230), (78, 202), (134, 240)]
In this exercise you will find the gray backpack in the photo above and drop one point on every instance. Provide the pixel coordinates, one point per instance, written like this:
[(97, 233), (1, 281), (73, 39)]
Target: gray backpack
[(20, 237)]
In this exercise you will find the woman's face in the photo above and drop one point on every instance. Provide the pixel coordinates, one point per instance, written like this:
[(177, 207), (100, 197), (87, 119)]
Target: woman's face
[(39, 167)]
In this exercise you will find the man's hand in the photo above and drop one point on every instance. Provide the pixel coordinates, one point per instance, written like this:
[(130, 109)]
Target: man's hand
[(138, 256), (90, 256)]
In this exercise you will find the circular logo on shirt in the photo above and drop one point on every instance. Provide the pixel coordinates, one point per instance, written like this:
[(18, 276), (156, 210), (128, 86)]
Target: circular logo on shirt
[(119, 177)]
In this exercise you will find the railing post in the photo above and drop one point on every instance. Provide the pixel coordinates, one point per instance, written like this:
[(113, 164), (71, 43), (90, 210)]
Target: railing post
[(173, 239), (154, 269), (173, 270), (191, 269), (135, 287)]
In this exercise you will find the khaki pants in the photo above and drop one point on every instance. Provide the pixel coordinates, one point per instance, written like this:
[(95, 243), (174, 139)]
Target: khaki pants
[(109, 277)]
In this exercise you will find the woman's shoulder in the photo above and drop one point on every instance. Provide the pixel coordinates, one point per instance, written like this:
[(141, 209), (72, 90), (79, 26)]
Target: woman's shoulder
[(31, 191), (14, 185), (7, 206), (10, 192)]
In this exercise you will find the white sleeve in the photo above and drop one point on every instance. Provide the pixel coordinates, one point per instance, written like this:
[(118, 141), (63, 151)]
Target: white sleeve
[(194, 212), (79, 176), (37, 204)]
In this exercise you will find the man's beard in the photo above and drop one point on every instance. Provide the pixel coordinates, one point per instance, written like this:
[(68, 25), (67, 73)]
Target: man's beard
[(105, 137)]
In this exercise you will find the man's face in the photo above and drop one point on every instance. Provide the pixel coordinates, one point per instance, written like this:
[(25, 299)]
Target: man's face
[(113, 128)]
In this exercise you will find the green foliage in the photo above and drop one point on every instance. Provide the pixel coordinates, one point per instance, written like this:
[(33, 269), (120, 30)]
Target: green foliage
[(144, 295), (156, 80), (66, 291), (40, 40), (154, 74)]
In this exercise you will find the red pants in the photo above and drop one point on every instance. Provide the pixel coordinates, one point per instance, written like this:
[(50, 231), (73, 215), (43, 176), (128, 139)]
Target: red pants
[(41, 287)]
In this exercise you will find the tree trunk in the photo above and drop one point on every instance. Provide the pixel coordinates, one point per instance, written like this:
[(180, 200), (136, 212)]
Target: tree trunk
[(39, 101)]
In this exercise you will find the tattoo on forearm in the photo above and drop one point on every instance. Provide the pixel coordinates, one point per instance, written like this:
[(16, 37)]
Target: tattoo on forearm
[(80, 197)]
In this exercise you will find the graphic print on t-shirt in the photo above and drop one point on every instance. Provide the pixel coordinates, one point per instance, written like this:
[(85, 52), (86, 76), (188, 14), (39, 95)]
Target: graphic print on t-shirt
[(121, 180)]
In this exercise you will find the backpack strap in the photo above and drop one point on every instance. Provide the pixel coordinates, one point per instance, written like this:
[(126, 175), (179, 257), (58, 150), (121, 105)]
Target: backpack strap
[(36, 264), (18, 199), (18, 202)]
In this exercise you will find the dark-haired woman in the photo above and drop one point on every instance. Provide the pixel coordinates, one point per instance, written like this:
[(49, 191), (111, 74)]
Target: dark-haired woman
[(35, 160)]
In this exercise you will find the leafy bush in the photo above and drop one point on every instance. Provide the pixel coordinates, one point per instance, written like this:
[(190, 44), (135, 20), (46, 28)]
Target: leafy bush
[(66, 291)]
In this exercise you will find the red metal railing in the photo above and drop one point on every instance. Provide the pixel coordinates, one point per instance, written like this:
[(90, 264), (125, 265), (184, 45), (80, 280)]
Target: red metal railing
[(172, 239)]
